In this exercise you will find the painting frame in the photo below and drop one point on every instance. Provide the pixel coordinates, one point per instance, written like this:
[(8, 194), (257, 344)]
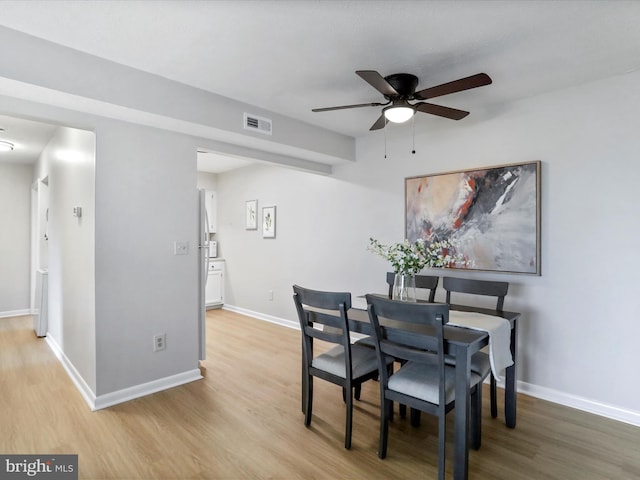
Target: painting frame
[(492, 215), (251, 215), (269, 222)]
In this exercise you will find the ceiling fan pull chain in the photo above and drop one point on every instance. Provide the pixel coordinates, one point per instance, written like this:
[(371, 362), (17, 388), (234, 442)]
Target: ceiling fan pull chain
[(413, 126), (385, 139)]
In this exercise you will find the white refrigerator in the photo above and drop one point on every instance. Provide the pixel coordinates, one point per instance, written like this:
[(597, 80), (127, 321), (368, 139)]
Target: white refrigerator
[(203, 272), (41, 314)]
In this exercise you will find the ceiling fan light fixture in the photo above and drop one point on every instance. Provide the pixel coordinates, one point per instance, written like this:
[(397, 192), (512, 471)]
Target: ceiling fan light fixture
[(398, 114), (5, 146)]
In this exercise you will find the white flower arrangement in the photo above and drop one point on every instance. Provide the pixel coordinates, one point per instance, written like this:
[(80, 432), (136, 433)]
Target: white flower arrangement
[(410, 258)]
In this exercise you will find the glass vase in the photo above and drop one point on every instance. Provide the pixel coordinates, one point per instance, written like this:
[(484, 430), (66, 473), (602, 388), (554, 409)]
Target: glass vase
[(404, 288)]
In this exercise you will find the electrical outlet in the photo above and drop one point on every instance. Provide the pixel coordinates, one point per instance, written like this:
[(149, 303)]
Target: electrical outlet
[(271, 295), (159, 342)]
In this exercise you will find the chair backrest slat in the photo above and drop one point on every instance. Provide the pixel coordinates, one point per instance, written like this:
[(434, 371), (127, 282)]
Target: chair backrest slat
[(400, 320), (476, 287), (323, 335), (332, 319), (411, 339), (395, 350), (425, 282)]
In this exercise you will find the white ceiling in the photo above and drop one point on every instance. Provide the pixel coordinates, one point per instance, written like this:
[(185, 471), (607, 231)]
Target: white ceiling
[(292, 56), (216, 163), (28, 137)]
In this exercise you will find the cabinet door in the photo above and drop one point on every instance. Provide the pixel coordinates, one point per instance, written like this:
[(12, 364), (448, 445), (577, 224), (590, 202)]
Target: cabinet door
[(211, 204), (214, 289)]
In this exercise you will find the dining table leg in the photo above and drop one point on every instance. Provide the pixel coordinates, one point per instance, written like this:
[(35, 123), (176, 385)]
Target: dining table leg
[(510, 393), (462, 412)]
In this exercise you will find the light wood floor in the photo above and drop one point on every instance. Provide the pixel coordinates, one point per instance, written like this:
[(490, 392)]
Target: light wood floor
[(243, 421)]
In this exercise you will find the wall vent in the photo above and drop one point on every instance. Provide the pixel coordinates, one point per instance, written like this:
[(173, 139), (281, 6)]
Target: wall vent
[(257, 124)]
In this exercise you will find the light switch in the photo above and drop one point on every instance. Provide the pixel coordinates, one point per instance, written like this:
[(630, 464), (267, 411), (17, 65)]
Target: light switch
[(180, 248)]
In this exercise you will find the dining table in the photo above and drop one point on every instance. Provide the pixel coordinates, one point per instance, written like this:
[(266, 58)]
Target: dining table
[(461, 343)]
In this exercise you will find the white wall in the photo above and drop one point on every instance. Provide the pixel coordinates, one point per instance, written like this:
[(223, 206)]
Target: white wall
[(208, 181), (15, 242), (580, 324), (69, 162), (322, 229)]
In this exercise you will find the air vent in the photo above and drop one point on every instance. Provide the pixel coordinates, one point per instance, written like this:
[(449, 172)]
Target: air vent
[(257, 124)]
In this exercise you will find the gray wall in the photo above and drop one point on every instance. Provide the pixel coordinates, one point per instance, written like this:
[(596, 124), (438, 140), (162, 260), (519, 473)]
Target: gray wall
[(145, 200), (68, 77), (15, 240)]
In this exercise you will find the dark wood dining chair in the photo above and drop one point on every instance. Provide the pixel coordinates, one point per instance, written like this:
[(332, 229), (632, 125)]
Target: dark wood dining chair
[(424, 282), (424, 381), (344, 364), (480, 362)]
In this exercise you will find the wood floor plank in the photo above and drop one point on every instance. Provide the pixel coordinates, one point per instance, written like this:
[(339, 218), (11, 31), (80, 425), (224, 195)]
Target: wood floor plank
[(243, 421)]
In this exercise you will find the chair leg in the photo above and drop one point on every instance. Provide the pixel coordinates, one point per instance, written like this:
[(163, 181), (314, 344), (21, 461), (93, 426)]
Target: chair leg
[(415, 417), (476, 417), (391, 411), (494, 397), (308, 399), (358, 390), (385, 408), (303, 383), (442, 434), (349, 420)]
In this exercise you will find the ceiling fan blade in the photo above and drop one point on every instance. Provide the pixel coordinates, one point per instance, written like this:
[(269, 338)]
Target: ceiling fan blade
[(474, 81), (447, 112), (380, 123), (377, 81), (343, 107)]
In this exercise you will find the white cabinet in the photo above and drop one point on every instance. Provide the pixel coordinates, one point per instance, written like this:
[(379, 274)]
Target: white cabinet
[(211, 204), (214, 289)]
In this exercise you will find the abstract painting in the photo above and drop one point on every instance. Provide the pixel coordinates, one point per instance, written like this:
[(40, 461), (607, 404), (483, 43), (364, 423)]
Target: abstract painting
[(491, 214)]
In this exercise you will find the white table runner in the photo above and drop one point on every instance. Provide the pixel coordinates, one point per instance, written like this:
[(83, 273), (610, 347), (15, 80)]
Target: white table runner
[(498, 328)]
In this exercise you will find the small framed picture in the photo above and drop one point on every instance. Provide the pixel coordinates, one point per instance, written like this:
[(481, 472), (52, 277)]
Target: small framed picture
[(269, 222), (251, 215)]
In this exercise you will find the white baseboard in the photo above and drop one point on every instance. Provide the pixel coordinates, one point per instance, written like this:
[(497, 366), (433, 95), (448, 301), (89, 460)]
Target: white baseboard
[(610, 411), (15, 313), (86, 392), (113, 398), (261, 316), (126, 394)]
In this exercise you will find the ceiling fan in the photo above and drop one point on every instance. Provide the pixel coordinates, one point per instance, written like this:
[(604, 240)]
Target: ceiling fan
[(399, 88)]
